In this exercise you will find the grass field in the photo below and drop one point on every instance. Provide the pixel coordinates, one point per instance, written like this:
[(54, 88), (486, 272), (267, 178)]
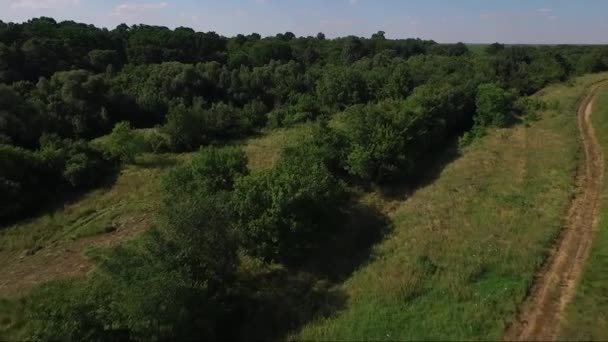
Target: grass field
[(464, 249), (587, 315)]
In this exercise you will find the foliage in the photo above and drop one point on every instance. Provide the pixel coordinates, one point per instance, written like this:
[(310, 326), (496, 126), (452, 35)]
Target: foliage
[(191, 126), (123, 143), (494, 106), (29, 178), (20, 179), (285, 212)]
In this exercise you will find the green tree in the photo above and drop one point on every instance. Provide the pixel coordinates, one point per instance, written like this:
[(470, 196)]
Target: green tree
[(100, 59), (124, 143), (493, 106), (285, 212)]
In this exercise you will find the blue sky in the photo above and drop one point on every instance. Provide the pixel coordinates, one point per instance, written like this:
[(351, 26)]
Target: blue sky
[(507, 21)]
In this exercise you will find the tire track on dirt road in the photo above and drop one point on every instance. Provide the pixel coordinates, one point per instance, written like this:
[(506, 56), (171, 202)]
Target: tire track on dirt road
[(541, 314)]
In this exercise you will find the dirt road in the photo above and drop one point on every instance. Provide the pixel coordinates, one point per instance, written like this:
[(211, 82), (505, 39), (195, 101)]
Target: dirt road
[(541, 314)]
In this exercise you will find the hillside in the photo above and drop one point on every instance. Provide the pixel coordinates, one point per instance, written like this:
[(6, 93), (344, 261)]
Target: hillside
[(465, 248), (586, 316), (474, 234), (169, 184)]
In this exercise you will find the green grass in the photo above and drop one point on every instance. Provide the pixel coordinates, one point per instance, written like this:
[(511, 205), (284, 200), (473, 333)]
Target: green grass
[(134, 193), (36, 248), (52, 245), (465, 248), (587, 315), (263, 151), (11, 321)]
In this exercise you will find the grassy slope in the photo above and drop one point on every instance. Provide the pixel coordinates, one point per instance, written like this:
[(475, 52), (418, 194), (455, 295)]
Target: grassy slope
[(51, 246), (465, 248), (587, 315)]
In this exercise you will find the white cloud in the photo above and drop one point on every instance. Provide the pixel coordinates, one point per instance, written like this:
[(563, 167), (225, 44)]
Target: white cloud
[(40, 4), (134, 8), (544, 10)]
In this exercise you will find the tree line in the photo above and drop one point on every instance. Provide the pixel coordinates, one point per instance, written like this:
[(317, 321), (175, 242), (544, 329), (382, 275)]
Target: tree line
[(74, 82)]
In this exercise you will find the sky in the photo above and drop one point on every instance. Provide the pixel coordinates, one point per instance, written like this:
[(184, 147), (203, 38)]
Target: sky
[(445, 21)]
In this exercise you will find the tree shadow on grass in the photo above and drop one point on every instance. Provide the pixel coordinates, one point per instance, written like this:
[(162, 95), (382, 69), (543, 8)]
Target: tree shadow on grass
[(427, 171), (350, 246), (156, 161), (282, 300), (276, 300), (57, 199)]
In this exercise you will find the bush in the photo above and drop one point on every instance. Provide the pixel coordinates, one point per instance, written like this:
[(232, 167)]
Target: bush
[(188, 127), (76, 162), (493, 106), (152, 291), (123, 143), (64, 311), (85, 167), (156, 142), (379, 140), (184, 127), (285, 212), (212, 169)]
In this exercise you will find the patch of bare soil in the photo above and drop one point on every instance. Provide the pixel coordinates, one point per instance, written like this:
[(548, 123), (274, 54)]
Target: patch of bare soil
[(542, 312)]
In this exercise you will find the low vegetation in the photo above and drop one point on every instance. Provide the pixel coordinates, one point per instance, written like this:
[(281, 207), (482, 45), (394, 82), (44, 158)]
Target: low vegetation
[(587, 314)]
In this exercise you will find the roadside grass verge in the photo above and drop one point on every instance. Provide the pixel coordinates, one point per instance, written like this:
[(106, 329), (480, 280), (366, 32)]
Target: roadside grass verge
[(586, 317), (464, 249)]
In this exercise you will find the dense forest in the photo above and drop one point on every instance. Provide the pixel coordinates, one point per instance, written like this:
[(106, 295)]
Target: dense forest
[(380, 108)]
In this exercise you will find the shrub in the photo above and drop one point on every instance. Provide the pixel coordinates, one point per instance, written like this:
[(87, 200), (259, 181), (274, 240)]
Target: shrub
[(123, 143), (212, 169), (184, 127), (284, 212), (85, 167), (493, 106), (157, 142), (379, 140), (64, 311), (76, 162), (188, 127)]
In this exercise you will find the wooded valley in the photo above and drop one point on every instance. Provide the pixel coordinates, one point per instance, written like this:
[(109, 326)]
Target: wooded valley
[(235, 253)]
